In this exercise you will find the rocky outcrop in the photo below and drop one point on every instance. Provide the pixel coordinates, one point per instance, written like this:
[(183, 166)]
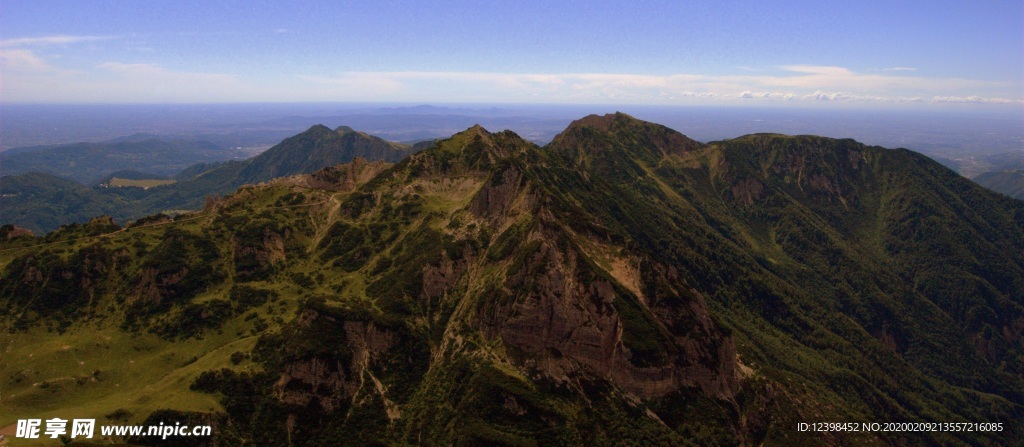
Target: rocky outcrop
[(814, 164), (747, 191), (311, 378), (9, 232), (438, 279), (336, 376), (152, 287), (343, 178), (568, 318), (258, 250), (496, 198)]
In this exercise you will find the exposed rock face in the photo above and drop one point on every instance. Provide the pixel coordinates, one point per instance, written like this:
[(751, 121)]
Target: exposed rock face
[(496, 198), (822, 166), (100, 225), (747, 191), (334, 377), (152, 287), (179, 267), (708, 359), (270, 251), (303, 380), (210, 203), (252, 259), (367, 342), (12, 231), (440, 278), (566, 317), (342, 178)]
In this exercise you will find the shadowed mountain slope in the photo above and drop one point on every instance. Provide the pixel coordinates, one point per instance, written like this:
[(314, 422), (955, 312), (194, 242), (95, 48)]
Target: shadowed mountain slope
[(1009, 182)]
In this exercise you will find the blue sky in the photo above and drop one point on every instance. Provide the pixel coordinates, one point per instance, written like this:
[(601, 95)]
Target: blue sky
[(795, 53)]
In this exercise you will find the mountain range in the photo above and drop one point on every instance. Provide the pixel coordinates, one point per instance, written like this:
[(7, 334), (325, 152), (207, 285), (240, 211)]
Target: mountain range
[(1009, 182), (622, 285), (42, 202), (88, 162)]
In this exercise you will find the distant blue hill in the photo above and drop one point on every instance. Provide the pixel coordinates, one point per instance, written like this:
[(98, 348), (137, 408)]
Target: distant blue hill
[(88, 162)]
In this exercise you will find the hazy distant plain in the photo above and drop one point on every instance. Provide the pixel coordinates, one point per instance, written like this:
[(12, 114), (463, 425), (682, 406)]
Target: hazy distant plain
[(948, 134)]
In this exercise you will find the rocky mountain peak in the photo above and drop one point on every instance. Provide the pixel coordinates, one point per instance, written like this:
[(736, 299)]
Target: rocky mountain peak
[(315, 129), (603, 122), (595, 135)]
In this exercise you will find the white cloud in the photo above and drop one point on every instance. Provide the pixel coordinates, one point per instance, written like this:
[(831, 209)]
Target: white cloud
[(60, 39), (159, 84), (747, 94), (156, 76), (115, 82), (31, 72), (27, 54), (973, 99), (354, 84), (22, 61), (795, 83), (899, 69), (468, 86), (818, 70), (141, 82), (834, 96)]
